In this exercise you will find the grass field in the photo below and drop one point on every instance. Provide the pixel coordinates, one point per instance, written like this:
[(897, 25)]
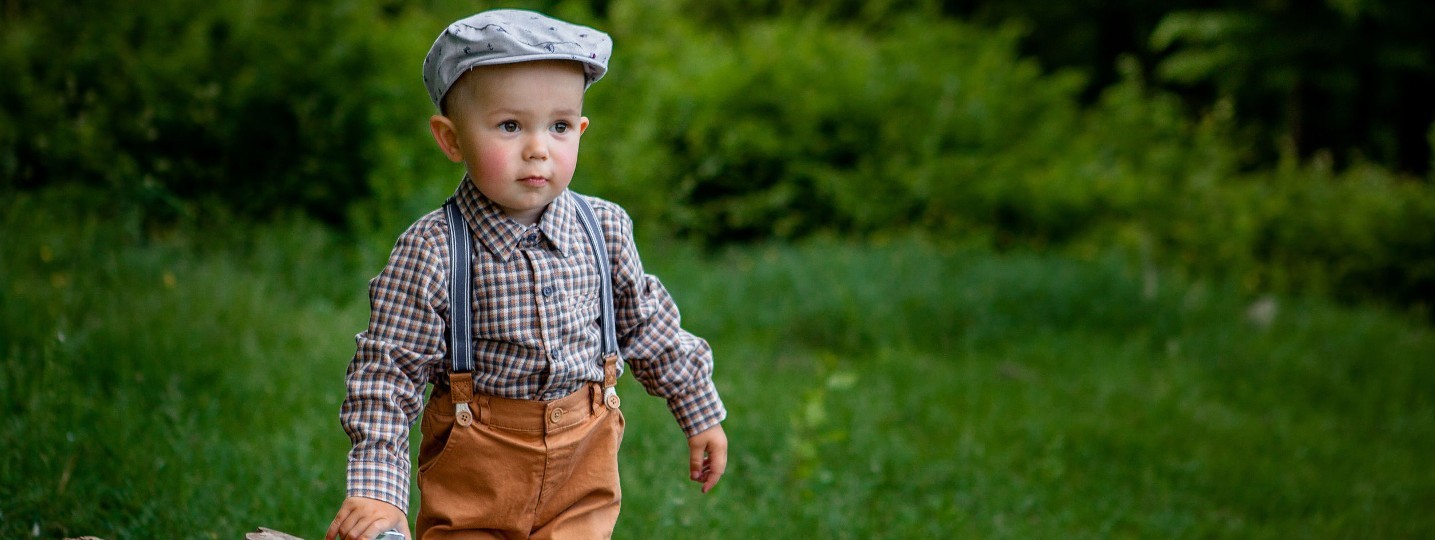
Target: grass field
[(187, 385)]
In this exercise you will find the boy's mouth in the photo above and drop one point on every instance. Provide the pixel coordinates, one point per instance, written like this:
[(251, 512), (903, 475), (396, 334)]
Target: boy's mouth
[(533, 180)]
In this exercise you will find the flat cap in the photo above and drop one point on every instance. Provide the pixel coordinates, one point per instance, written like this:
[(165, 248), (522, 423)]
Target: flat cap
[(507, 36)]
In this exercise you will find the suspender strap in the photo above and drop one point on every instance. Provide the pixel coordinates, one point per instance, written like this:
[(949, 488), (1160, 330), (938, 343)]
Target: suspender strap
[(460, 313), (608, 314), (461, 300), (605, 269), (460, 293)]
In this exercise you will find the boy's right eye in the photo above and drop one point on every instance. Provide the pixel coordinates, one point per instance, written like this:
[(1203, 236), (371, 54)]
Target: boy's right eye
[(509, 126)]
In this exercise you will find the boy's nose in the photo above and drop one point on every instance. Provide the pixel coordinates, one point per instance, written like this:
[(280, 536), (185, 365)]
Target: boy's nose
[(535, 149)]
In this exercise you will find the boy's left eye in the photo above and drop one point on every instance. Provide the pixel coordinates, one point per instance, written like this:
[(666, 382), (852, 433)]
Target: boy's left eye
[(560, 127)]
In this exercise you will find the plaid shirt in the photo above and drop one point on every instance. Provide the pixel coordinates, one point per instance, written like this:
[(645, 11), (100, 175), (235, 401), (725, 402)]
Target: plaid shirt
[(535, 327)]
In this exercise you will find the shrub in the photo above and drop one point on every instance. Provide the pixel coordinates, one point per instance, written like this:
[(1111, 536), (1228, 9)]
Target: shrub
[(1358, 235), (793, 126), (170, 102)]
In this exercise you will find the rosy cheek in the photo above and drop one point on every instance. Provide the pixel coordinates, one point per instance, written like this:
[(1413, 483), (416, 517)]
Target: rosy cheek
[(565, 157), (493, 162)]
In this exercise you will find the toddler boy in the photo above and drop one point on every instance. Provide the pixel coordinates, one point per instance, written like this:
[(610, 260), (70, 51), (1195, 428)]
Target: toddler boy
[(522, 428)]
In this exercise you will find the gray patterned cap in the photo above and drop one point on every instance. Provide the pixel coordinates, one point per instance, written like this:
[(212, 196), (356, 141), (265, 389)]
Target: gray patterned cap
[(507, 36)]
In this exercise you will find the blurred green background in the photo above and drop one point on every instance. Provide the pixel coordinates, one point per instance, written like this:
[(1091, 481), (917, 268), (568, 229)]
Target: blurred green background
[(998, 269)]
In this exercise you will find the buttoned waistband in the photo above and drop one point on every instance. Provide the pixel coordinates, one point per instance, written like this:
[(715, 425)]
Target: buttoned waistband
[(529, 415), (544, 416)]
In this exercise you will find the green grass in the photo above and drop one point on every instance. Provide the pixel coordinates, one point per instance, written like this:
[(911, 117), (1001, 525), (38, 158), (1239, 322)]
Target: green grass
[(187, 386)]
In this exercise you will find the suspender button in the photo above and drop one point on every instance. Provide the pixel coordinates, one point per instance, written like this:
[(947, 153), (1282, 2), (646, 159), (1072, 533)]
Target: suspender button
[(462, 414)]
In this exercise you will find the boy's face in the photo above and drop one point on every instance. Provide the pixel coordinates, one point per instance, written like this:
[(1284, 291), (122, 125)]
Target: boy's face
[(516, 129)]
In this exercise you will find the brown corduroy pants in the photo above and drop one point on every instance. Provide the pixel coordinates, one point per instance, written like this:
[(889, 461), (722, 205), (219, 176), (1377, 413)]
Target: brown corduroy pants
[(518, 468)]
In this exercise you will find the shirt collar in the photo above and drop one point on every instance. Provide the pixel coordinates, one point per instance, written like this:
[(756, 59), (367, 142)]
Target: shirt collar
[(502, 236)]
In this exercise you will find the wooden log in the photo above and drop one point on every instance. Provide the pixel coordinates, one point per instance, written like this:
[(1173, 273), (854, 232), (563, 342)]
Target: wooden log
[(262, 533), (265, 533)]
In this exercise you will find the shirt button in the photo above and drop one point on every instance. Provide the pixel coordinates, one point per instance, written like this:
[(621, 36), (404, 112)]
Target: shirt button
[(548, 291), (531, 239), (555, 354)]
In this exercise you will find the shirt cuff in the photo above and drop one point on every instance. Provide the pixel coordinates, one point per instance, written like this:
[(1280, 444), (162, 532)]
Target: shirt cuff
[(380, 481), (699, 410)]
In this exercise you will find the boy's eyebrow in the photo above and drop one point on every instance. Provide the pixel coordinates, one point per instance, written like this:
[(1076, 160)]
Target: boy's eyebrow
[(564, 111)]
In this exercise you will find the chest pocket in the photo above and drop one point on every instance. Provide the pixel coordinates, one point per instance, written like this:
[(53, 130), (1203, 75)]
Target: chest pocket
[(584, 284)]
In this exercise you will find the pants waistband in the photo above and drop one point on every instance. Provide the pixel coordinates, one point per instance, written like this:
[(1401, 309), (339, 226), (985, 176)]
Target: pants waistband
[(530, 415)]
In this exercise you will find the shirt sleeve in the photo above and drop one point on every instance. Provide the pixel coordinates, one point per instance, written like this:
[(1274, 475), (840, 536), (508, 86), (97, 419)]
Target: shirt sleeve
[(391, 365), (670, 362)]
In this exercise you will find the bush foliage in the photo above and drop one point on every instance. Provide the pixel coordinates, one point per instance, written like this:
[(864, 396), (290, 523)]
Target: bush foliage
[(840, 118), (170, 102)]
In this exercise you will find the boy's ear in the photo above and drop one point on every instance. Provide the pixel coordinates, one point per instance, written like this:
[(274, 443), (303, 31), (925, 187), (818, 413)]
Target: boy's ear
[(446, 136), (582, 124)]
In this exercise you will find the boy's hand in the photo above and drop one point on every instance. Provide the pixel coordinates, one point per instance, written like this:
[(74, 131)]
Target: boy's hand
[(362, 518), (707, 456)]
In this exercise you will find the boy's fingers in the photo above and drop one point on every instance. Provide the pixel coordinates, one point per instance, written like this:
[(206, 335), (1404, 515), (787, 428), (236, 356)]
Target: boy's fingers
[(333, 531), (336, 526), (353, 528), (695, 460), (377, 527), (717, 465), (347, 525)]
